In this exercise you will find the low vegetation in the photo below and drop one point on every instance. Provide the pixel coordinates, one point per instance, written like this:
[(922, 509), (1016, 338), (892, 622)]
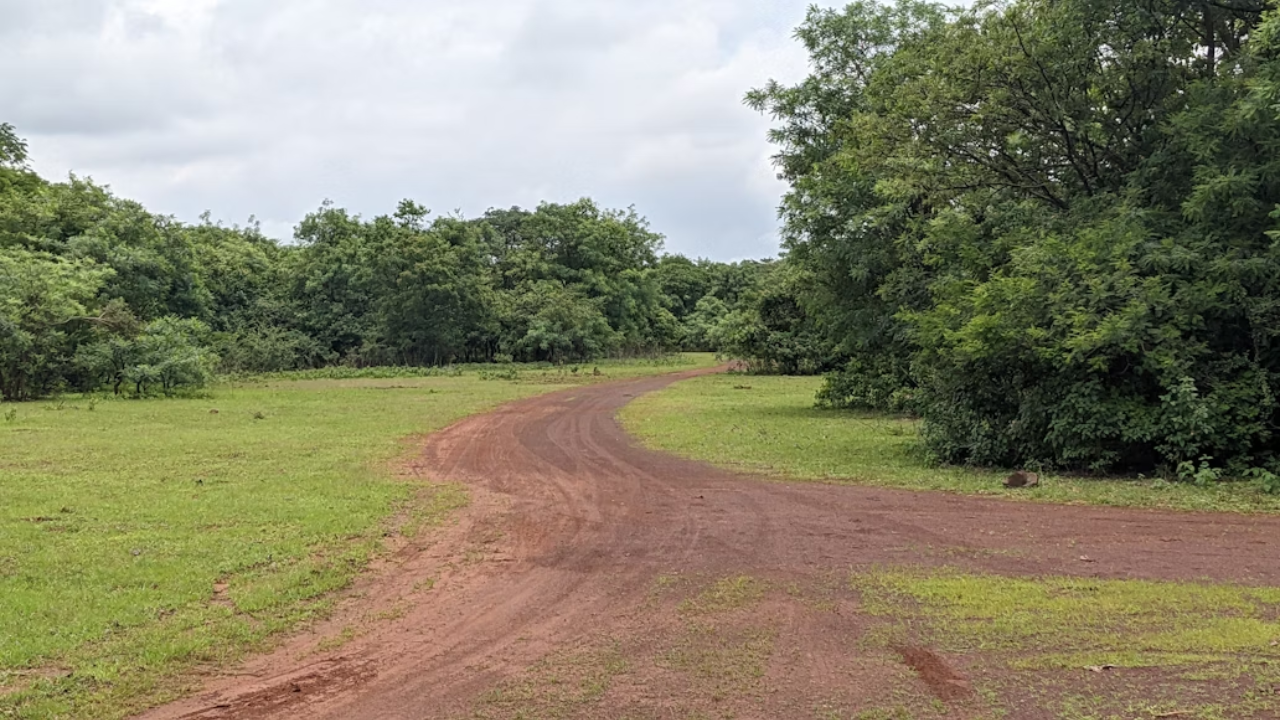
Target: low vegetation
[(140, 539), (1179, 649), (769, 425)]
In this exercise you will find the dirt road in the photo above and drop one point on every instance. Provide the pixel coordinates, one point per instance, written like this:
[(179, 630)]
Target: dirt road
[(594, 578)]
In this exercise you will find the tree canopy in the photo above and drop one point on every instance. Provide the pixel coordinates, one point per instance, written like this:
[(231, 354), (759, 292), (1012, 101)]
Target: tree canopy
[(97, 291), (1047, 226)]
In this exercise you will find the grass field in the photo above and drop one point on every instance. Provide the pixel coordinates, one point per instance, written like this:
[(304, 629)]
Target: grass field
[(769, 425), (140, 540)]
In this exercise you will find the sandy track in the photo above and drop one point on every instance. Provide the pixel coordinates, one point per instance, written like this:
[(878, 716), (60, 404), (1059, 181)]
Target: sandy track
[(571, 523)]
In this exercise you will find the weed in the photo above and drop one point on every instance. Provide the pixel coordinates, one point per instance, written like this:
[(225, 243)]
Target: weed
[(726, 594), (509, 373), (557, 686), (333, 643)]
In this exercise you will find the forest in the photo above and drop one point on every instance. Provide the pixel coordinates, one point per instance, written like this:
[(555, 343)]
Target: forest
[(98, 293)]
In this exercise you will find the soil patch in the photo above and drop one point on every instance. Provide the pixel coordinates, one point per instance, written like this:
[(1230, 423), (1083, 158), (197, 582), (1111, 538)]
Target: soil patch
[(945, 683)]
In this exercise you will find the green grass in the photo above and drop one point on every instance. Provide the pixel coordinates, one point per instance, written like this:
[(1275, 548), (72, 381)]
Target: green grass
[(1073, 623), (119, 517), (769, 425), (1030, 633)]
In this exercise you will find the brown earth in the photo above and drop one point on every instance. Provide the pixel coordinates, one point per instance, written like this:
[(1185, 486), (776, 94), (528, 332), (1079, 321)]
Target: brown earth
[(593, 578)]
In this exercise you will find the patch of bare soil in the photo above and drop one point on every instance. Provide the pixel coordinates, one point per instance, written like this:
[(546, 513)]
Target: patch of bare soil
[(946, 683), (593, 578)]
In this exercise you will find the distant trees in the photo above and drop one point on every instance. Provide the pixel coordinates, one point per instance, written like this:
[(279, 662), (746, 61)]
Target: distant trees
[(97, 292), (1047, 226)]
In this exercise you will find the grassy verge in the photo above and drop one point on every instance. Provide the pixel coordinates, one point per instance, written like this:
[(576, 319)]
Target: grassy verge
[(1087, 648), (769, 425), (141, 539)]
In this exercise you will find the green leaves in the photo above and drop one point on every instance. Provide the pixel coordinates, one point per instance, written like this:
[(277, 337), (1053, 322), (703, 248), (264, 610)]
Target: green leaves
[(1056, 215), (97, 291), (45, 305), (13, 149)]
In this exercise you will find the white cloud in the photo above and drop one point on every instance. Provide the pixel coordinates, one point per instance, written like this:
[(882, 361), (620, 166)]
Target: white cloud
[(247, 107)]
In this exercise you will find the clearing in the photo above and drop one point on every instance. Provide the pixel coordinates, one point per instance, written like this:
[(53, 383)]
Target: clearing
[(140, 539), (593, 578)]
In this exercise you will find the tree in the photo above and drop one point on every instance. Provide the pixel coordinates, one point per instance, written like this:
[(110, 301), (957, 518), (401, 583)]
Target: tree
[(332, 273), (13, 149), (1046, 224), (128, 299), (839, 229), (434, 301), (607, 257), (45, 308), (170, 355), (701, 329), (549, 322)]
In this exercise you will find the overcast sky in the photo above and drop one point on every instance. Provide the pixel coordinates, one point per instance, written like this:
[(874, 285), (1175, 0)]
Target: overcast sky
[(266, 108)]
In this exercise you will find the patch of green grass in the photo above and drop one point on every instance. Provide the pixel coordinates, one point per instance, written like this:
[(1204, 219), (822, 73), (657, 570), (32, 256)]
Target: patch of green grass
[(1054, 627), (733, 660), (1074, 622), (562, 685), (769, 425), (725, 594), (119, 518)]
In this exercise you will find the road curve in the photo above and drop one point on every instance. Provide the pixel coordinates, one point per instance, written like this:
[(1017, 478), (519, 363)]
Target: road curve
[(571, 522)]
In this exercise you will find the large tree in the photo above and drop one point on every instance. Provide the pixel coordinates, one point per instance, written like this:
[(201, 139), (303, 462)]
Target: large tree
[(1048, 222)]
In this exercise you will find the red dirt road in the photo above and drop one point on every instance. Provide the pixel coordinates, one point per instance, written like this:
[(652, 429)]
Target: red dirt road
[(555, 593)]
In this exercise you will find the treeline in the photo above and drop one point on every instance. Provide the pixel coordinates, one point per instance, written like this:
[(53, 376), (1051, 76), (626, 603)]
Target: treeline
[(1049, 227), (97, 292)]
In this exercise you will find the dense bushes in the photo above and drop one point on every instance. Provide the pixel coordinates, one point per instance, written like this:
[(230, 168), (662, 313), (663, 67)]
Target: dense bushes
[(1047, 226)]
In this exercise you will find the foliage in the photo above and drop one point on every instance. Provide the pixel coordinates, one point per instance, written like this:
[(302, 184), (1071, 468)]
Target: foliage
[(1047, 226), (771, 330), (97, 291), (167, 355), (45, 304), (13, 150)]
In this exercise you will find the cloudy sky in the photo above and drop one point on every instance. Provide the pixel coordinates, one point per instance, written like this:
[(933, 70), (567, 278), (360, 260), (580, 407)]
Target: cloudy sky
[(266, 108)]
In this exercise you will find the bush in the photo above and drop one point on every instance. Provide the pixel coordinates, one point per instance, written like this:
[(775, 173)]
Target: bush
[(861, 385), (169, 355), (269, 349)]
